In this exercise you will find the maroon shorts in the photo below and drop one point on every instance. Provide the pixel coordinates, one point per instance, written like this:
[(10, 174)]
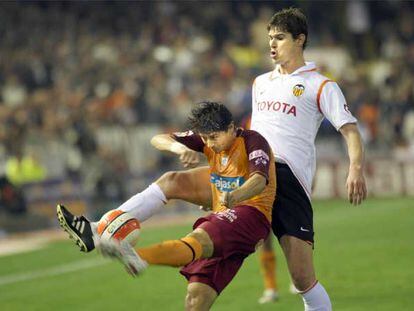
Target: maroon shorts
[(235, 234)]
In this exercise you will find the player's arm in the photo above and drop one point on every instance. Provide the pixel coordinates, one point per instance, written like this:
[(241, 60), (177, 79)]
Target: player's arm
[(333, 105), (186, 147), (252, 187), (258, 154), (357, 189)]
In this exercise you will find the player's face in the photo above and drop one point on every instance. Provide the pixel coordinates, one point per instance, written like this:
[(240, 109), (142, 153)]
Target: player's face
[(283, 48), (219, 141)]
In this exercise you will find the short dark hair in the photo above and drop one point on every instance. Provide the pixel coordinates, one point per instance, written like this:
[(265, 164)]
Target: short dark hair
[(290, 20), (207, 117)]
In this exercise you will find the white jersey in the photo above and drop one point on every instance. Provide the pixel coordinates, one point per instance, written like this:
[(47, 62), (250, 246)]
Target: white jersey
[(288, 110)]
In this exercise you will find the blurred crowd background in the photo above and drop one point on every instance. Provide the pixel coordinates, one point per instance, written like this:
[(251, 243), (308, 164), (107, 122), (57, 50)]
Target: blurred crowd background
[(84, 85)]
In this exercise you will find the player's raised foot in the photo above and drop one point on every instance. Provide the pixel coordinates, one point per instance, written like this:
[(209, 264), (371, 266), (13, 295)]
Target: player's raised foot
[(78, 228), (269, 295), (125, 253)]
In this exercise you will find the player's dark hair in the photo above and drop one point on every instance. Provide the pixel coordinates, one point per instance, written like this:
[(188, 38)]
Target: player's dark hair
[(290, 20), (207, 117)]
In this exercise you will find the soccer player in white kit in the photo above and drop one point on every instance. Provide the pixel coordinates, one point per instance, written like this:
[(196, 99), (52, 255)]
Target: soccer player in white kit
[(288, 105)]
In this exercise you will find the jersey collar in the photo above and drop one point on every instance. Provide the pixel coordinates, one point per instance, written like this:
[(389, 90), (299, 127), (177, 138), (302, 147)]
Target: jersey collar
[(309, 66)]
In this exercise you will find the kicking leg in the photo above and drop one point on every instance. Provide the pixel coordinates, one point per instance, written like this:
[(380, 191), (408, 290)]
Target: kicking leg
[(173, 253), (177, 253), (191, 185)]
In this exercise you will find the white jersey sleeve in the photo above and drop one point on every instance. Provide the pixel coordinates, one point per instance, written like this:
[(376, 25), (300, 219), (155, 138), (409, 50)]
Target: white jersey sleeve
[(333, 105)]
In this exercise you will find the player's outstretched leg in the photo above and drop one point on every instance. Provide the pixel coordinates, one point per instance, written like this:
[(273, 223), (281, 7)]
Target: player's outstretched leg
[(78, 228), (125, 253), (190, 185), (173, 253)]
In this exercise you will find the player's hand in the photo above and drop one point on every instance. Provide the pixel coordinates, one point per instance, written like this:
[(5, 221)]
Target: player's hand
[(189, 158), (227, 200), (356, 186)]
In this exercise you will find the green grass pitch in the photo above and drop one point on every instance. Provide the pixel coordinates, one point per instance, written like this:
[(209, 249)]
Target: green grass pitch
[(364, 256)]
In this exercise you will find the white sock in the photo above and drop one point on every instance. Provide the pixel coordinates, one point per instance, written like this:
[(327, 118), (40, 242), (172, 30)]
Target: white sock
[(142, 206), (145, 204), (316, 299)]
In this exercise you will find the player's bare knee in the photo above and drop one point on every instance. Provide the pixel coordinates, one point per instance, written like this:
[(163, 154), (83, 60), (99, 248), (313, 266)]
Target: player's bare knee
[(168, 183), (194, 302), (204, 239), (199, 297)]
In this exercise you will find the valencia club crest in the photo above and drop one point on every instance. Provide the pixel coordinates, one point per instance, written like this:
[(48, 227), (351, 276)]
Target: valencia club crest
[(298, 90)]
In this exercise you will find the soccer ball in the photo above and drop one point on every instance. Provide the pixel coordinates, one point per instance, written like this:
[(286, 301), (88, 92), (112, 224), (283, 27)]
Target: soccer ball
[(119, 225)]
